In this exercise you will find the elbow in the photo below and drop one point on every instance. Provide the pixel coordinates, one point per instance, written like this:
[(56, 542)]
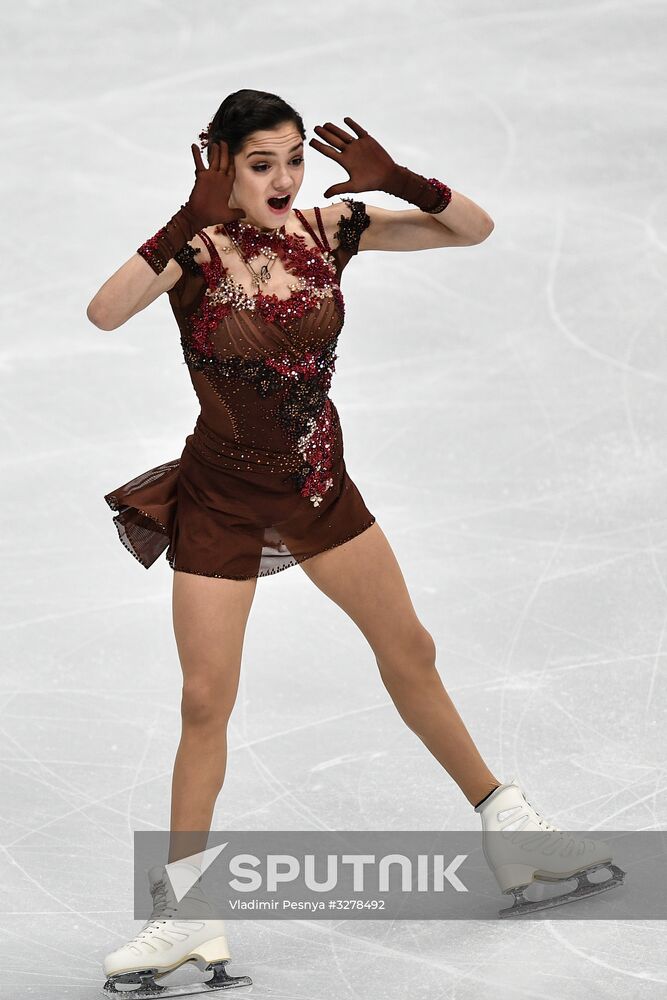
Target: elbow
[(94, 317), (489, 226), (486, 229), (97, 317)]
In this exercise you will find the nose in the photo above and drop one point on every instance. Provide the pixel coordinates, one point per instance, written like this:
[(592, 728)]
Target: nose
[(283, 182)]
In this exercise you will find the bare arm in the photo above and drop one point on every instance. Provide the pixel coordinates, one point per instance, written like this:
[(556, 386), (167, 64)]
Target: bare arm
[(133, 287), (142, 278)]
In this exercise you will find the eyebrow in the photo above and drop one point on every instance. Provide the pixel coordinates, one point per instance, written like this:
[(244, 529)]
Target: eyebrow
[(266, 152)]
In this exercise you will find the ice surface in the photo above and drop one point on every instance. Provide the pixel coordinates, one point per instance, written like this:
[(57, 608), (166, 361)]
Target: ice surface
[(503, 407)]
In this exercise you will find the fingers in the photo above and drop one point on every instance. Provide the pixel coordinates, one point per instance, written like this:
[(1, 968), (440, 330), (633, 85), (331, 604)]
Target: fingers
[(196, 153), (338, 189), (225, 161), (325, 150), (224, 156), (338, 137), (357, 128)]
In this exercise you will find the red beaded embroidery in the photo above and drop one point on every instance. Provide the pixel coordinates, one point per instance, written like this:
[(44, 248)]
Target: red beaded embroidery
[(305, 409), (150, 251), (445, 195), (310, 392), (210, 314), (317, 269)]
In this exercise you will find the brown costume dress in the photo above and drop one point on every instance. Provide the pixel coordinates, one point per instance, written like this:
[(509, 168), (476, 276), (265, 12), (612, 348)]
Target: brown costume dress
[(261, 483)]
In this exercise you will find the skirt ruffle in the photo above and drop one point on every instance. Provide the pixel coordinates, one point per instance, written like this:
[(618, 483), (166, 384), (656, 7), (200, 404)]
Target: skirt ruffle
[(229, 523), (146, 511)]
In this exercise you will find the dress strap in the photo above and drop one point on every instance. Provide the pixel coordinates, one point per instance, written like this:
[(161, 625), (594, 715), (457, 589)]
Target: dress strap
[(304, 221), (318, 216), (209, 244)]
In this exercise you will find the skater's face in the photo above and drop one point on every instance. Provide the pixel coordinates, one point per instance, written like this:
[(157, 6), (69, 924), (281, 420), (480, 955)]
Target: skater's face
[(270, 164)]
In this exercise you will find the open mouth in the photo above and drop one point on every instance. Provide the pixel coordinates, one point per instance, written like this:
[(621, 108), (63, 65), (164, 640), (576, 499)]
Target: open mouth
[(279, 203)]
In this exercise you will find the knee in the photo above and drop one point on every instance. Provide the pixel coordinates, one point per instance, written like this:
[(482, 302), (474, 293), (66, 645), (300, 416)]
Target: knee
[(203, 704), (411, 659)]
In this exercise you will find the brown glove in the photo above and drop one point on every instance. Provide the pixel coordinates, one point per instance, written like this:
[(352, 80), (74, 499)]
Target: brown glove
[(371, 168), (208, 204)]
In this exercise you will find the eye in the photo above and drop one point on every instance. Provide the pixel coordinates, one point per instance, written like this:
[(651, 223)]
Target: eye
[(258, 167)]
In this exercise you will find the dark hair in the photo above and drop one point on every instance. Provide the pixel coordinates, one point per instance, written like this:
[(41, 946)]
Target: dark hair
[(247, 111)]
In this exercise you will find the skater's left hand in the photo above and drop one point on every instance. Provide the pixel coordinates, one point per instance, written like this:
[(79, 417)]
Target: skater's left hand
[(369, 165)]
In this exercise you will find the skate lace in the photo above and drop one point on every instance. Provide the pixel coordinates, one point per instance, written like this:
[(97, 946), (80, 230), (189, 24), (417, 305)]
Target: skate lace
[(526, 819), (510, 827), (542, 822), (159, 892)]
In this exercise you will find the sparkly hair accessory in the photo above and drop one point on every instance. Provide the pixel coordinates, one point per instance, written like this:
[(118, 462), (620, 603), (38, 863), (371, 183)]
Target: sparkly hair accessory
[(203, 136)]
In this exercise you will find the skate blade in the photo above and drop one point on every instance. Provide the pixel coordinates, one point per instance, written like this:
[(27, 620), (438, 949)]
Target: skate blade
[(584, 889), (143, 984)]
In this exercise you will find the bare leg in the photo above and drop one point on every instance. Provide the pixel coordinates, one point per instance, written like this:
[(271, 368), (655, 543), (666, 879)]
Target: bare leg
[(429, 712), (363, 577), (210, 617)]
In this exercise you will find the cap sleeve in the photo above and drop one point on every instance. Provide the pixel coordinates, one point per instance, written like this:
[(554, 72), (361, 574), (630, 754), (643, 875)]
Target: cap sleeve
[(353, 220), (185, 294)]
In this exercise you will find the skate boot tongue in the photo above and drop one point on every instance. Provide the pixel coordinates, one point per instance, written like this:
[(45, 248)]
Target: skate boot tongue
[(180, 878), (165, 904)]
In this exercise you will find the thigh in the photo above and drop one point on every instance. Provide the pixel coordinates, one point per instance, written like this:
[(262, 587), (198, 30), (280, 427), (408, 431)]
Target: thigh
[(210, 616), (362, 576)]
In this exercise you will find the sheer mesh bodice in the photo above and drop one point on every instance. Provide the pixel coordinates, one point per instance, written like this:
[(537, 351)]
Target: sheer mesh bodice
[(261, 483)]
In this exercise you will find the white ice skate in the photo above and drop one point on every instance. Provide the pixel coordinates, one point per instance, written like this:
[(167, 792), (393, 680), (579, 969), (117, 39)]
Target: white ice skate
[(517, 857), (176, 933)]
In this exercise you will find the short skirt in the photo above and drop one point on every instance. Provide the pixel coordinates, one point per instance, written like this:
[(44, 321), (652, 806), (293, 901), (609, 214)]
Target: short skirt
[(217, 514)]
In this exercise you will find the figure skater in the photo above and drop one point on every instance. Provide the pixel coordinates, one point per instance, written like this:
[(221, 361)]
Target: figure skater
[(261, 485)]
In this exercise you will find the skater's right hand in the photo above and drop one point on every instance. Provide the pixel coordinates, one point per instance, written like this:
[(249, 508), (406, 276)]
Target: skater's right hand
[(209, 198)]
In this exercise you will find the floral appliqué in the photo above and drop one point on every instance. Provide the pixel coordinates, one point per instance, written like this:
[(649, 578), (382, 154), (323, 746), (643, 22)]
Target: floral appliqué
[(305, 409)]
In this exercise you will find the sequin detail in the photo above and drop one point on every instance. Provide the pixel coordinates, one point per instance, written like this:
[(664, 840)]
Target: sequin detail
[(149, 251), (350, 229), (315, 279), (300, 382), (445, 196), (267, 447), (304, 410), (186, 258)]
